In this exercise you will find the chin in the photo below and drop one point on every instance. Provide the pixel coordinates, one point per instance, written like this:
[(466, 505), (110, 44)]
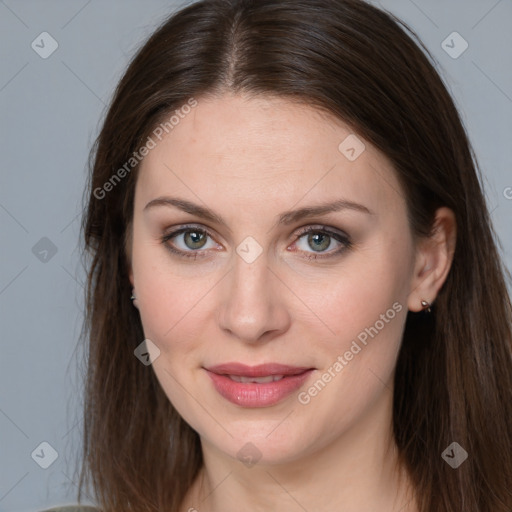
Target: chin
[(262, 442)]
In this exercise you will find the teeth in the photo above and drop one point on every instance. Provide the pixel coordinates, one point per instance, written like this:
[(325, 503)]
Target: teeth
[(258, 380)]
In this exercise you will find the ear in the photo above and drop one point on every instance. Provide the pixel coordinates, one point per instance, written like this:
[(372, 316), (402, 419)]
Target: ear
[(128, 258), (434, 258)]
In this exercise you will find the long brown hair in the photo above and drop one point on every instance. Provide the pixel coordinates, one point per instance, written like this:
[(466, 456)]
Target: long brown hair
[(453, 378)]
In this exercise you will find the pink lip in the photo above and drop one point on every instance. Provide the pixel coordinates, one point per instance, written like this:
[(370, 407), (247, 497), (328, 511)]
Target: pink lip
[(255, 394)]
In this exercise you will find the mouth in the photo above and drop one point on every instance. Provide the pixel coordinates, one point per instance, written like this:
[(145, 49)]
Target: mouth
[(257, 386), (258, 380)]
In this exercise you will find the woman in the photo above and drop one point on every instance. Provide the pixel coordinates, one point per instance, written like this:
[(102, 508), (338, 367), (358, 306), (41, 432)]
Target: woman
[(295, 298)]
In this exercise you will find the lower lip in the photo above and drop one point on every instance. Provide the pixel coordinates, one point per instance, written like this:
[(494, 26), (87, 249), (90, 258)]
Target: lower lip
[(257, 395)]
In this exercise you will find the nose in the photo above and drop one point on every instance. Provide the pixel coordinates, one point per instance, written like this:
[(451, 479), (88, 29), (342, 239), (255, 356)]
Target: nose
[(253, 308)]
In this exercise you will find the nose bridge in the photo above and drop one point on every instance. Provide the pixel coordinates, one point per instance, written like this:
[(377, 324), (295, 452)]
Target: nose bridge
[(250, 280), (252, 305)]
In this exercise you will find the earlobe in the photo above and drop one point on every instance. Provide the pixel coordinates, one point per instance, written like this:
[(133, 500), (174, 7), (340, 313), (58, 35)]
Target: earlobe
[(433, 261), (133, 298)]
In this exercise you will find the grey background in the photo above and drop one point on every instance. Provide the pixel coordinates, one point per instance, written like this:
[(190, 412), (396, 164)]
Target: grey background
[(50, 114)]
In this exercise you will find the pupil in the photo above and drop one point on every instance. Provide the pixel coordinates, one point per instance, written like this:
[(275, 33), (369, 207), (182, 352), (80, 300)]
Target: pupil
[(195, 238), (319, 237)]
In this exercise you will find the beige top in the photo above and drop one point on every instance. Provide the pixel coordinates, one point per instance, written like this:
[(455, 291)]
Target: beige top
[(72, 508)]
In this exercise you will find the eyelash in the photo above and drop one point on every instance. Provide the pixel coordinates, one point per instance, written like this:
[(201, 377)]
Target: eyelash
[(341, 238)]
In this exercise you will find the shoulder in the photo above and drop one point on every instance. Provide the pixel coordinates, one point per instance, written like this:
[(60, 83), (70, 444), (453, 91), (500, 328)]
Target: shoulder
[(72, 508)]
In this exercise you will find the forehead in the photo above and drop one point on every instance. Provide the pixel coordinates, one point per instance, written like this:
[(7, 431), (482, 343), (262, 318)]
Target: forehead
[(242, 151)]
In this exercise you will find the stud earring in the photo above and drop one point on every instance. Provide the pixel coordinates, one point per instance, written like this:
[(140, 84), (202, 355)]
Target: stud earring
[(133, 295), (426, 306)]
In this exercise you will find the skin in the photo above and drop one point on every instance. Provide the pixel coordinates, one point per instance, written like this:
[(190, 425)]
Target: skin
[(249, 160)]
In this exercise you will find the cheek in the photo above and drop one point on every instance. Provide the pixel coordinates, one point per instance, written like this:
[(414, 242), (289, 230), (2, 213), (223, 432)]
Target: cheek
[(176, 300), (363, 291), (171, 306), (366, 310), (354, 362)]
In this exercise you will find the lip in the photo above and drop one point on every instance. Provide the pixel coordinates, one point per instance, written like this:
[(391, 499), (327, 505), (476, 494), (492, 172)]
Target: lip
[(261, 370), (257, 394)]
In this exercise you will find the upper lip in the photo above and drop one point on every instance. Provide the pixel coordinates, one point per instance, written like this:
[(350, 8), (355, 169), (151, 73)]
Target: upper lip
[(261, 370)]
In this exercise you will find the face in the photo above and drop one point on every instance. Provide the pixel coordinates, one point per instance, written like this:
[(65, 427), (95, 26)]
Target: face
[(239, 271)]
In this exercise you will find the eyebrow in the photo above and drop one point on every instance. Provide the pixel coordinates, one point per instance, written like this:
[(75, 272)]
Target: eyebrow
[(284, 218)]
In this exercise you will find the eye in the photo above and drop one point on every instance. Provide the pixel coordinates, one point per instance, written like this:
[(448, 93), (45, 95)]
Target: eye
[(320, 239), (192, 242), (188, 241)]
